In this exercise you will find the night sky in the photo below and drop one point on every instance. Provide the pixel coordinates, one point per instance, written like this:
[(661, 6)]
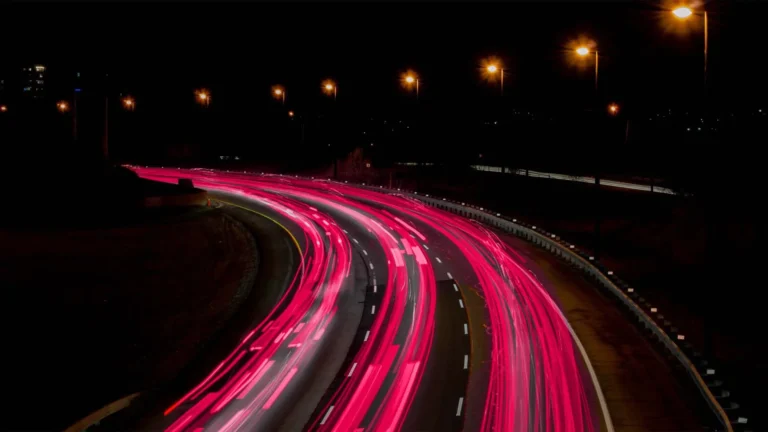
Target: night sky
[(649, 62)]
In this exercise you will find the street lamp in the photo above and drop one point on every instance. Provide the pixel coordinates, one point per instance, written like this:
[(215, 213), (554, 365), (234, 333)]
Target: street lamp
[(203, 97), (62, 106), (290, 114), (330, 87), (613, 109), (583, 52), (410, 79), (492, 68), (683, 13), (280, 93), (128, 103), (3, 108)]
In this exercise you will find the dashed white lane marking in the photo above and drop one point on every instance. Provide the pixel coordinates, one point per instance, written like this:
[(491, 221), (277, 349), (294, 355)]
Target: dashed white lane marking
[(455, 288), (355, 240), (458, 409), (345, 231), (374, 281), (426, 247), (373, 309), (365, 252), (412, 235), (466, 361), (466, 328), (449, 275), (325, 417), (354, 365), (367, 333), (461, 304), (370, 265), (374, 289), (438, 260)]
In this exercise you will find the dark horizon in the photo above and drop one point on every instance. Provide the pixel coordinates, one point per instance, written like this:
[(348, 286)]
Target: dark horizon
[(651, 65)]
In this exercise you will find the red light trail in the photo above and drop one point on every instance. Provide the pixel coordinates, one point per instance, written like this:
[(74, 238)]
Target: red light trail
[(535, 381)]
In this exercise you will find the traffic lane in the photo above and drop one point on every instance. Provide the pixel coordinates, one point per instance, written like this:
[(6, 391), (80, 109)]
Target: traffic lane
[(468, 320), (380, 384), (351, 332), (440, 399), (439, 402), (288, 357), (533, 371)]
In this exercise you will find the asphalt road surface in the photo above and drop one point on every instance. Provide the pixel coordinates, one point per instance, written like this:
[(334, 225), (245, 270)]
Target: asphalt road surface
[(400, 317)]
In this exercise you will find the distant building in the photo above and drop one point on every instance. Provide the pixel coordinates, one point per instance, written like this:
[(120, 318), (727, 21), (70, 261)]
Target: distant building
[(33, 81)]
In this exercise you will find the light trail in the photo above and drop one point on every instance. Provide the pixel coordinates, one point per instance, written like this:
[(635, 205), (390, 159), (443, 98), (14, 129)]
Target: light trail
[(534, 382)]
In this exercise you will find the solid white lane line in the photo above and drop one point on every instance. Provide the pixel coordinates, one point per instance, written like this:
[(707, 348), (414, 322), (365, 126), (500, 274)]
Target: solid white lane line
[(370, 265), (325, 417), (373, 309), (355, 365), (367, 333), (449, 275), (461, 304), (455, 288), (426, 247), (438, 260), (466, 328), (466, 361), (458, 409), (365, 252)]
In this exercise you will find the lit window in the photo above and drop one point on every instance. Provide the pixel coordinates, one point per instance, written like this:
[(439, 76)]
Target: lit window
[(39, 68)]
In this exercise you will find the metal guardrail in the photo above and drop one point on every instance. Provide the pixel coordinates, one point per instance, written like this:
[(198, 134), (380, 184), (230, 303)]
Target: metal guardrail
[(670, 338)]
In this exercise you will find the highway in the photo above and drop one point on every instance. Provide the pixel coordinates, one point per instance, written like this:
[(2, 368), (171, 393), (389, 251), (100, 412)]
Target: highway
[(400, 317)]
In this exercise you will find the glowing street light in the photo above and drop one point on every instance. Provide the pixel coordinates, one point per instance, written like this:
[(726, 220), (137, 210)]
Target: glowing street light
[(613, 109), (280, 93), (410, 79), (290, 114), (683, 13), (203, 97), (330, 87), (62, 106), (583, 51), (3, 108), (128, 103), (492, 68)]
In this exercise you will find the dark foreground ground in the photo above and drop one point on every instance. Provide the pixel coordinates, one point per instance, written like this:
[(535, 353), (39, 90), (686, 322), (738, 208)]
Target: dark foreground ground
[(96, 314)]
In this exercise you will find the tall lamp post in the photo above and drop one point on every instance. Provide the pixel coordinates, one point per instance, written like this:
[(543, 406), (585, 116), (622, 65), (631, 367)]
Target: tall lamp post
[(280, 93), (410, 79), (492, 69), (683, 13), (583, 52), (330, 88)]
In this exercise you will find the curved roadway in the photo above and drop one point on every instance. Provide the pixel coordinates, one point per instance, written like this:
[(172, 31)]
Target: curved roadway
[(400, 317)]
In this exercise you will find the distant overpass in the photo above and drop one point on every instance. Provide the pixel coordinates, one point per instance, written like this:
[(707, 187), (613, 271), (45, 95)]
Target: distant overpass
[(573, 178)]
